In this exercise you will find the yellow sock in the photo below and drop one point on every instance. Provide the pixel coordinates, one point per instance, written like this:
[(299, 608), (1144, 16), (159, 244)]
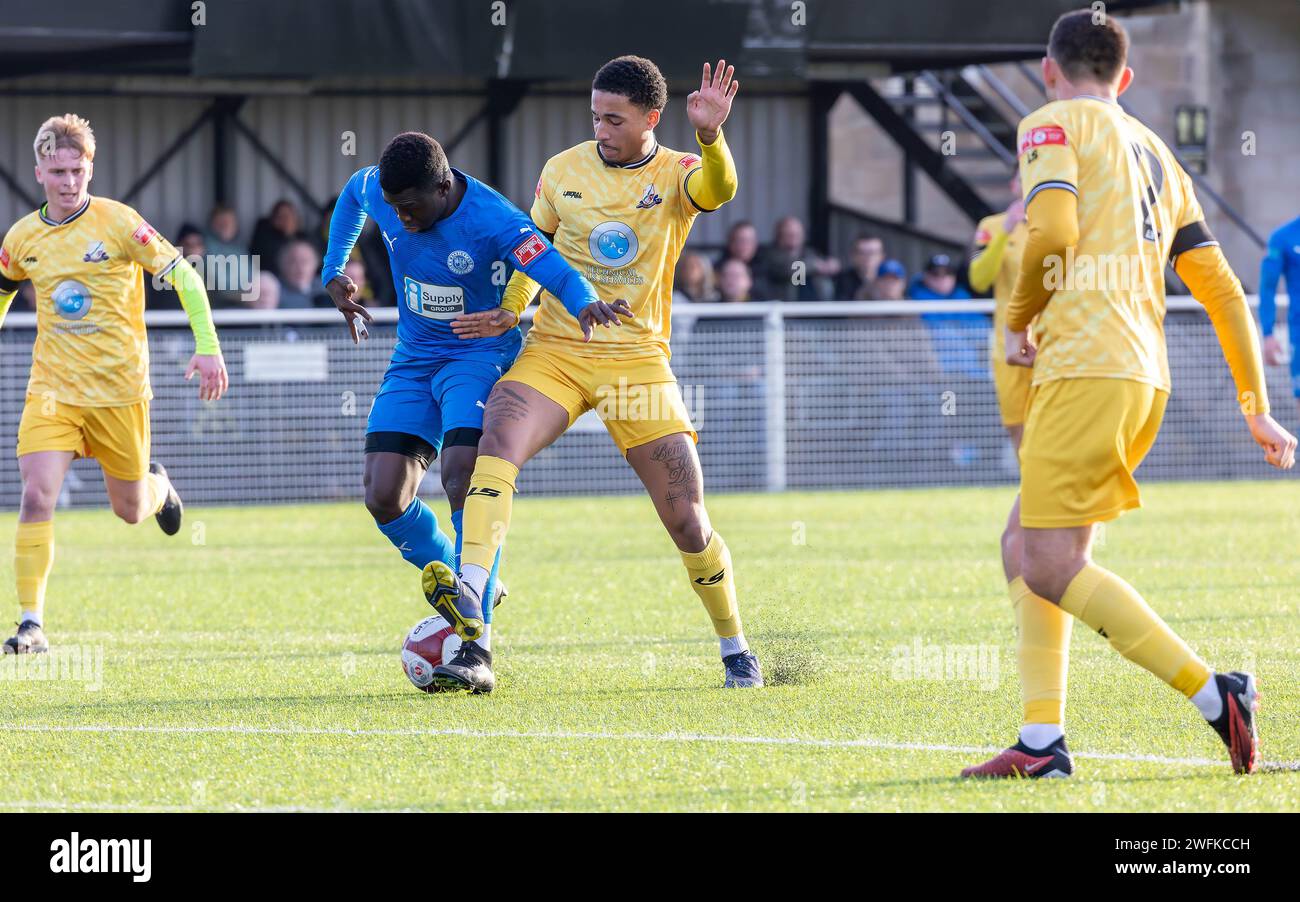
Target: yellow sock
[(1115, 609), (487, 510), (157, 487), (713, 581), (1042, 654), (33, 557)]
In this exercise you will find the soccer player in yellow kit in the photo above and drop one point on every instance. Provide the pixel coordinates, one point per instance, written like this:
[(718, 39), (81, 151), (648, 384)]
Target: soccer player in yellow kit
[(1108, 207), (620, 207), (88, 394), (999, 240)]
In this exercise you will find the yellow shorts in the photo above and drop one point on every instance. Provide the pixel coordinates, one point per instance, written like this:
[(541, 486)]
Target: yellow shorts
[(1083, 440), (117, 436), (1012, 385), (637, 398)]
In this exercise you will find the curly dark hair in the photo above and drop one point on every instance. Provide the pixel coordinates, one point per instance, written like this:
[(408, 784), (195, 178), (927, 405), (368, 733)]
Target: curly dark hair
[(1084, 48), (636, 78), (412, 160)]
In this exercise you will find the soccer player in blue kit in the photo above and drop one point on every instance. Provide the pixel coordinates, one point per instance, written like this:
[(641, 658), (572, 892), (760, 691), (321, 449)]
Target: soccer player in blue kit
[(1282, 261), (452, 242)]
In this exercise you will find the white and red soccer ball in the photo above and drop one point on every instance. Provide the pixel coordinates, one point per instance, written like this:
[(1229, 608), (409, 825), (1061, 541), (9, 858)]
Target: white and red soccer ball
[(428, 644)]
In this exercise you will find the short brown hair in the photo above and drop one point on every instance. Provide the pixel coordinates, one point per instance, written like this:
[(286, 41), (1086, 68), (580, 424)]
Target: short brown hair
[(68, 130), (1087, 44)]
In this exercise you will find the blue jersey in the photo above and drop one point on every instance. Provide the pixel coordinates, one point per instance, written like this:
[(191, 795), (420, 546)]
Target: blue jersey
[(459, 265), (1282, 260)]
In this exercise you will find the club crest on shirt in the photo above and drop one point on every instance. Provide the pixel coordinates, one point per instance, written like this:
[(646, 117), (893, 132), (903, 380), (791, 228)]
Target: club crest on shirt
[(649, 199), (95, 253), (460, 263)]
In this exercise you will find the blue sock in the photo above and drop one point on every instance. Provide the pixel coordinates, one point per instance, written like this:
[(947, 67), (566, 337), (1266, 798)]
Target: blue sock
[(416, 535), (489, 593), (456, 517)]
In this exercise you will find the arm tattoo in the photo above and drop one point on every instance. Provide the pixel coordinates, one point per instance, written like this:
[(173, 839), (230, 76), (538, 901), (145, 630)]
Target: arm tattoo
[(683, 478)]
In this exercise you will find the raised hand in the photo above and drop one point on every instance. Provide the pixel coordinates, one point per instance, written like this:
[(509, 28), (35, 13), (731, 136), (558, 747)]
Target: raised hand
[(709, 107)]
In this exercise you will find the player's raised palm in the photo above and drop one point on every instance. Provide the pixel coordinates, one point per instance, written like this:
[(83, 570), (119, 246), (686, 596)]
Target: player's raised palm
[(709, 107)]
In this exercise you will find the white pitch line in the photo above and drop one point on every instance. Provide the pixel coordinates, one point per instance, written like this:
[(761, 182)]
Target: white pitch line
[(864, 743)]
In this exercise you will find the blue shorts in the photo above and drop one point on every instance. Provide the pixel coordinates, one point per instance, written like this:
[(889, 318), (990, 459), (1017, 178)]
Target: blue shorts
[(430, 399)]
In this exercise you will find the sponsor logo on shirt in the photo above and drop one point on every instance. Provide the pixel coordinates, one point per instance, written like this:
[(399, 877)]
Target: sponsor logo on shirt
[(576, 195), (441, 302), (71, 299), (95, 253), (613, 244), (529, 249), (649, 199), (1042, 135), (460, 263), (144, 233)]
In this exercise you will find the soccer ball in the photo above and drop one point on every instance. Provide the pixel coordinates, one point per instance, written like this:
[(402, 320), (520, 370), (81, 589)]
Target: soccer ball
[(428, 644)]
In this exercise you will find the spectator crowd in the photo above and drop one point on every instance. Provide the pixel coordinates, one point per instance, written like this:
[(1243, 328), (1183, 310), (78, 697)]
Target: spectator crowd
[(279, 267)]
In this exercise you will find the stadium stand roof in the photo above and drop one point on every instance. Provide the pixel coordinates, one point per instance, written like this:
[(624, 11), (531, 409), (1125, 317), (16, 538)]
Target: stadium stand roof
[(540, 39)]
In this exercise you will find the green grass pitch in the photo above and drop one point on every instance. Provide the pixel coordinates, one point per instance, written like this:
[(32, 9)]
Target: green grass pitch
[(251, 663)]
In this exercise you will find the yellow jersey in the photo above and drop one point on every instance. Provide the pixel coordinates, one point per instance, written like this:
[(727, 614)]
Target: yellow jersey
[(1136, 212), (1005, 280), (91, 349), (623, 228)]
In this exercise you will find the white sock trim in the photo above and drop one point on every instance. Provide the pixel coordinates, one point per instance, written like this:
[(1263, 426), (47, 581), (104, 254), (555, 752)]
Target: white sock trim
[(733, 645), (1040, 735), (475, 577), (1208, 700)]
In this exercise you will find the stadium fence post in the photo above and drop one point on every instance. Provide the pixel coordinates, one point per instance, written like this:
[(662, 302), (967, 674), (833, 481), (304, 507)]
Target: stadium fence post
[(774, 382)]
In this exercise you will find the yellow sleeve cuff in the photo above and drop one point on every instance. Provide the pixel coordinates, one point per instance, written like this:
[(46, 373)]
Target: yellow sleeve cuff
[(1211, 281), (1053, 227), (6, 298), (194, 300), (715, 182), (987, 261), (519, 293)]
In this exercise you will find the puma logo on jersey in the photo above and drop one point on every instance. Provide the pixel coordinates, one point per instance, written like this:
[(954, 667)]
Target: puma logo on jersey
[(711, 580), (391, 241), (481, 490)]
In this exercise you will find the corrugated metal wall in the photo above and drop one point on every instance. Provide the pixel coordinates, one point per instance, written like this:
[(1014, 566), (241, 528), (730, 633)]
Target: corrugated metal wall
[(768, 134), (307, 135), (130, 132)]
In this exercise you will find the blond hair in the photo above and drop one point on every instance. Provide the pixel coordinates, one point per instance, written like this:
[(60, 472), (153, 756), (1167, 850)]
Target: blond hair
[(68, 130)]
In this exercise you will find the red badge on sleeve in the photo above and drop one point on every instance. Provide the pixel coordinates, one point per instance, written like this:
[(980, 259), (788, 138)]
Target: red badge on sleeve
[(529, 249), (1041, 135), (688, 161), (983, 236), (4, 257), (144, 233), (539, 186)]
